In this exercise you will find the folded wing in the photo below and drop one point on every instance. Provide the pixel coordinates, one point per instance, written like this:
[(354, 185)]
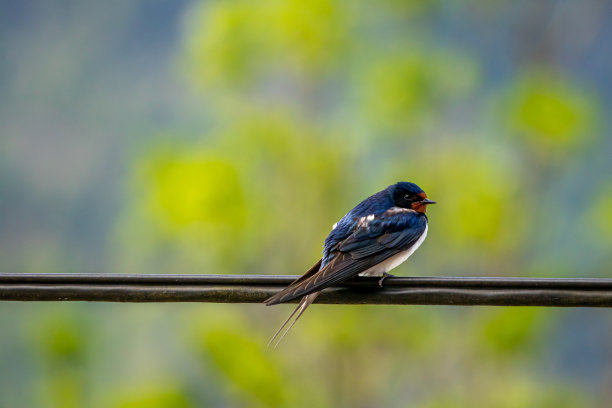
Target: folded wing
[(372, 240)]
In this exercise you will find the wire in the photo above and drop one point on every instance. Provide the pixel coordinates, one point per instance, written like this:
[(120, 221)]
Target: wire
[(575, 292)]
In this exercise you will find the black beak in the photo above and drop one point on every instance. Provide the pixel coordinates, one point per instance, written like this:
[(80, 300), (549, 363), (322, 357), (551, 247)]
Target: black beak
[(427, 201)]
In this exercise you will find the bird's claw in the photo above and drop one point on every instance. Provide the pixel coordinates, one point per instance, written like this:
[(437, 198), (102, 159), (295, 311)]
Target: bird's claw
[(384, 276)]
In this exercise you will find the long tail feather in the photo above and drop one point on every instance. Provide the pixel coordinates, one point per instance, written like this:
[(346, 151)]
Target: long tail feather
[(284, 324), (304, 303)]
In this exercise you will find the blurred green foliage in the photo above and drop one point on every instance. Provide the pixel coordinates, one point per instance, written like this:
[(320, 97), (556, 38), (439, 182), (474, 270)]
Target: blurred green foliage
[(243, 360), (155, 396), (600, 219), (280, 116), (553, 115), (509, 329)]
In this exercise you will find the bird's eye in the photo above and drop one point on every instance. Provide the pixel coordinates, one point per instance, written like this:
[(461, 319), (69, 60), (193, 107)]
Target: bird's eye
[(406, 197)]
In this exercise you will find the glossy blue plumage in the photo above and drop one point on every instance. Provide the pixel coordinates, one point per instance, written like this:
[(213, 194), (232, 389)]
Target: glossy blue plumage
[(375, 205), (368, 239)]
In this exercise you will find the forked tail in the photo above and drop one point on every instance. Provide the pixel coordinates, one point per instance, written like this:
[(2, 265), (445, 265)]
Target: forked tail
[(304, 303)]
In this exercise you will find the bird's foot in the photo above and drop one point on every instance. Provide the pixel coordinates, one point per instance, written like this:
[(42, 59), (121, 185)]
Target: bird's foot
[(384, 276)]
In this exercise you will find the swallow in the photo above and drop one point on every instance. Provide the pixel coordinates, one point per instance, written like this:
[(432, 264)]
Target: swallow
[(376, 236)]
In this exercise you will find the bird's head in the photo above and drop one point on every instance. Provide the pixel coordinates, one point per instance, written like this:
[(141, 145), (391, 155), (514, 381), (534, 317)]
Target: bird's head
[(409, 195)]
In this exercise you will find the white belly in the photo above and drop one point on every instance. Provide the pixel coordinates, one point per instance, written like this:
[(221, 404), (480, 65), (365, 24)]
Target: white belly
[(395, 260)]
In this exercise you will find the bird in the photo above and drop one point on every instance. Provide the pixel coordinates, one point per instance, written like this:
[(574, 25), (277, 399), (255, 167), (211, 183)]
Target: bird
[(376, 236)]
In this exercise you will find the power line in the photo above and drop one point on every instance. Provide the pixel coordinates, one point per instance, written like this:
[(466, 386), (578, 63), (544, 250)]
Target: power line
[(575, 292)]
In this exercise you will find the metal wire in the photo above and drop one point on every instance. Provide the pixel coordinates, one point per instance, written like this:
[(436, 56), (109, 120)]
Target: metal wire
[(257, 288)]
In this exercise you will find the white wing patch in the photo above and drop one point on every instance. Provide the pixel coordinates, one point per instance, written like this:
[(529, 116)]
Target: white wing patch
[(365, 221)]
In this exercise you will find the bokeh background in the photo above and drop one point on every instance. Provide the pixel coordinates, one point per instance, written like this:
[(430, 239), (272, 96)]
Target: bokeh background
[(228, 136)]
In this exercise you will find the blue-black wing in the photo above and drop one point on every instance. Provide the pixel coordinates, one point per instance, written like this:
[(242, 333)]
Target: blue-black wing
[(372, 240)]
